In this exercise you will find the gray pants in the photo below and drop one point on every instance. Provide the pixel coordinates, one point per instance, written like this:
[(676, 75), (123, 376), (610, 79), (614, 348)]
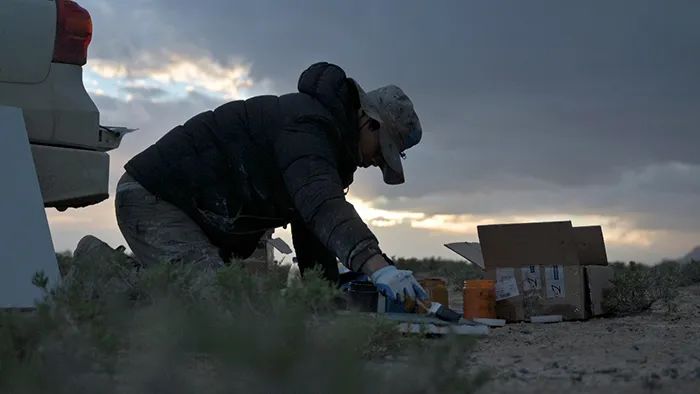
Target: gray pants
[(158, 231)]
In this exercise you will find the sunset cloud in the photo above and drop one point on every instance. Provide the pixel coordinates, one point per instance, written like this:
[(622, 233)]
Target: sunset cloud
[(174, 74), (617, 230)]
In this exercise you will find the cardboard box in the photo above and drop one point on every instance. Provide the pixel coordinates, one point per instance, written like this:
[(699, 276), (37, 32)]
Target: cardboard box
[(547, 268), (590, 245), (539, 290), (524, 244), (598, 283)]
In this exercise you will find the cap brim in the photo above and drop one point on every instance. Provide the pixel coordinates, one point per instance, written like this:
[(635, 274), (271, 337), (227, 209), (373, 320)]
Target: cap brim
[(367, 103), (392, 168)]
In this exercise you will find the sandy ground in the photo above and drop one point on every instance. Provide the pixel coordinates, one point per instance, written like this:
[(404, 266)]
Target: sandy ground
[(651, 352)]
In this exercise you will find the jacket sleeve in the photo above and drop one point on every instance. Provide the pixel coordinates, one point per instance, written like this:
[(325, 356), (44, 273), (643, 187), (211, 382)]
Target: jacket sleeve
[(308, 163)]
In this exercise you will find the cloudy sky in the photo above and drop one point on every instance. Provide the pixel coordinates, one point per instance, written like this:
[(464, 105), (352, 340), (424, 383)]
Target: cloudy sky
[(531, 110)]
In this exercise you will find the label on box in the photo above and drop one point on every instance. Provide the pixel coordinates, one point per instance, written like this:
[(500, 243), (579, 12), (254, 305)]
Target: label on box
[(504, 273), (506, 288), (506, 285), (531, 278), (554, 281)]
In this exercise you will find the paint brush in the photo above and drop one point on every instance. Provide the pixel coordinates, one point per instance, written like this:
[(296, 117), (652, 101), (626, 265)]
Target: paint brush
[(440, 311)]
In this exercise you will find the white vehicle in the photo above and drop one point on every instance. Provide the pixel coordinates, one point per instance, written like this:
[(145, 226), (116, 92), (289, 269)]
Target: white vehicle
[(44, 45), (52, 147)]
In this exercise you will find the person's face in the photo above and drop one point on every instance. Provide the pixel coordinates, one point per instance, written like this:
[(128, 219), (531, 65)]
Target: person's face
[(370, 152)]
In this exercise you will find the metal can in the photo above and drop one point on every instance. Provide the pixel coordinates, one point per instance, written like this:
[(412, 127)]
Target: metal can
[(363, 296)]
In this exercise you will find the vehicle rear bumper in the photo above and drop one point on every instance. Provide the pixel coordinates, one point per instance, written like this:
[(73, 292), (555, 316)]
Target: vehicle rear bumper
[(58, 111), (69, 177)]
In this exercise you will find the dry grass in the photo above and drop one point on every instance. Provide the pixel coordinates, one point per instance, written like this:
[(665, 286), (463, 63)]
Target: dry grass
[(111, 328)]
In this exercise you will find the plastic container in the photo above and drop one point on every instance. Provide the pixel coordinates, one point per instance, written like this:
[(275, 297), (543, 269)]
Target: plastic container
[(437, 291), (479, 299)]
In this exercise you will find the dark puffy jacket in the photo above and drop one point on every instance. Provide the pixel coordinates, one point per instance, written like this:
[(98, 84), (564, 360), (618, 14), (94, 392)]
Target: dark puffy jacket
[(252, 165)]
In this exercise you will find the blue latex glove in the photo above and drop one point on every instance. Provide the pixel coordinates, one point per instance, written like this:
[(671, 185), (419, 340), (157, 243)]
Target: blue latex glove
[(397, 284)]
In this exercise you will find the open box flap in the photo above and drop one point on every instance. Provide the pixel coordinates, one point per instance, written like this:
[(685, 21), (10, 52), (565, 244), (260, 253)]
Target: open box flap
[(471, 251), (590, 245), (280, 245), (526, 244)]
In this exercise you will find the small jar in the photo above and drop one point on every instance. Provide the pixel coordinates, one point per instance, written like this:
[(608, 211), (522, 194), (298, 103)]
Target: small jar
[(479, 299), (437, 291)]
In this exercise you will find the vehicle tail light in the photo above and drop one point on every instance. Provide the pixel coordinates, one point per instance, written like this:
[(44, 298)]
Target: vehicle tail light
[(73, 33)]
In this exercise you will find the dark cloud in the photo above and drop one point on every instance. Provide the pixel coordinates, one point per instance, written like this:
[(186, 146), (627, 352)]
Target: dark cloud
[(535, 106), (597, 87)]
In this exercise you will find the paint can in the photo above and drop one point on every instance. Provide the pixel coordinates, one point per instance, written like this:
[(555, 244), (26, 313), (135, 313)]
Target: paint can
[(479, 299), (363, 296)]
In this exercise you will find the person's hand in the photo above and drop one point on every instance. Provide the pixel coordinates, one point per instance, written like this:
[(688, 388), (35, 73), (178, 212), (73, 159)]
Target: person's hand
[(395, 283)]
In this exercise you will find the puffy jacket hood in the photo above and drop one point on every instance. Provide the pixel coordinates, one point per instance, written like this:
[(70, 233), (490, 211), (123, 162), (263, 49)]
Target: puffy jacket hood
[(329, 84)]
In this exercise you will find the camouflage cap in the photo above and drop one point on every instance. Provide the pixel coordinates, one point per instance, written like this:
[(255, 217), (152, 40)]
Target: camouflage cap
[(399, 128)]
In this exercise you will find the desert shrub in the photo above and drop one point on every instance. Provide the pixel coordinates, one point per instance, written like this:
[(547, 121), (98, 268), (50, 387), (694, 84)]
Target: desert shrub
[(690, 273), (111, 327), (666, 279), (64, 260), (637, 286)]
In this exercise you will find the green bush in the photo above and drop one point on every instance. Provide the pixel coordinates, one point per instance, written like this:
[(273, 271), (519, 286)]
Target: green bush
[(174, 328), (636, 287)]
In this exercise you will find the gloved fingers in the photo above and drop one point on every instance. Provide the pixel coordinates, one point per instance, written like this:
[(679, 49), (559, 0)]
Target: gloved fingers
[(400, 296), (408, 293), (386, 291), (420, 292)]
